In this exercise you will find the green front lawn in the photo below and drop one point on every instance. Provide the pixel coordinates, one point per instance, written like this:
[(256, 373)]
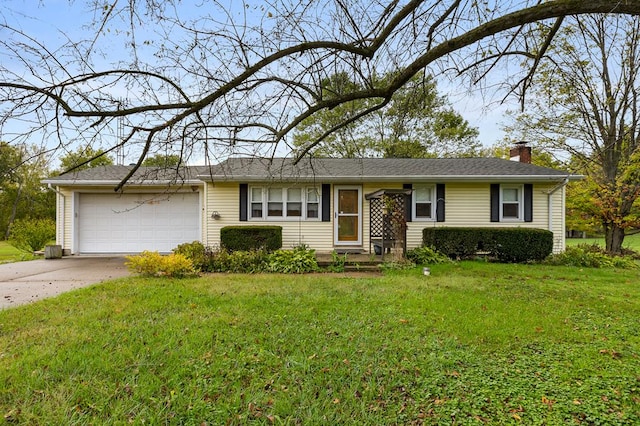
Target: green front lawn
[(8, 253), (472, 343)]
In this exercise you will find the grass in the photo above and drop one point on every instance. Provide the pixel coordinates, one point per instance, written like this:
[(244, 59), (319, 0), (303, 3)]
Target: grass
[(473, 343), (8, 253), (630, 242)]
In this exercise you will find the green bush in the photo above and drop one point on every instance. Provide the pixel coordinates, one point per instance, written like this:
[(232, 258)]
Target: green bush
[(504, 244), (196, 252), (241, 261), (456, 243), (297, 261), (521, 244), (32, 234), (204, 259), (234, 238), (153, 264), (590, 256), (426, 256)]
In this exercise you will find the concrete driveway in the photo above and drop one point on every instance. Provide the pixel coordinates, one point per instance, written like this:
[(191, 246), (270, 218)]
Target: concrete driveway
[(25, 282)]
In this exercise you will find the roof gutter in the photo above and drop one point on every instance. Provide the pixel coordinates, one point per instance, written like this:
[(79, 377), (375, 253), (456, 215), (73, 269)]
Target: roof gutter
[(116, 182), (550, 201), (366, 179)]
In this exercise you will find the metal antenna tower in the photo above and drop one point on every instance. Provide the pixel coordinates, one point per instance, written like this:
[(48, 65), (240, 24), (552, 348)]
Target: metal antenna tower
[(120, 136)]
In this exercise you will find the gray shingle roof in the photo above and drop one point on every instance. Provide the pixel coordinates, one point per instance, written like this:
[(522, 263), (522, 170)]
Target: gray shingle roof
[(326, 170), (114, 174), (370, 169)]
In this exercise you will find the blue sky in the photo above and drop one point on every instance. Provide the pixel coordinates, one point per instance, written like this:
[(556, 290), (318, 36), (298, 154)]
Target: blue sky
[(52, 21)]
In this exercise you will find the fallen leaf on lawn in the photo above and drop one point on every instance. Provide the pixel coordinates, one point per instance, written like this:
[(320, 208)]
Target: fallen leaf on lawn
[(548, 402), (336, 401)]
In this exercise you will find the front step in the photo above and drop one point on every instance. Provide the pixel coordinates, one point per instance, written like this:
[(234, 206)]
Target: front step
[(361, 262), (362, 268)]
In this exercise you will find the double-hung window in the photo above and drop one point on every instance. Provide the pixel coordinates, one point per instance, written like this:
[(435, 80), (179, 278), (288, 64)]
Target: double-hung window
[(274, 202), (511, 202), (284, 203), (294, 202), (423, 202), (313, 203), (256, 206)]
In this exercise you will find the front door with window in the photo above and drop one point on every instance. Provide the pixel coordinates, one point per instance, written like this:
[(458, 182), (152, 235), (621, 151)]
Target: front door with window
[(348, 215)]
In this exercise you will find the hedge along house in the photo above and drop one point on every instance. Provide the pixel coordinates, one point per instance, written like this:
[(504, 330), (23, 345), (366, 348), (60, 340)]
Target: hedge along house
[(327, 204)]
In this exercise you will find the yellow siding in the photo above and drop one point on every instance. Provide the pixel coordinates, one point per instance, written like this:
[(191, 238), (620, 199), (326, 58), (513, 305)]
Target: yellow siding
[(224, 198), (468, 204)]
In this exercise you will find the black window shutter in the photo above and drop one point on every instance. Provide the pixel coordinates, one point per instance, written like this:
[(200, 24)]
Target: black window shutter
[(495, 202), (528, 202), (408, 203), (244, 201), (326, 202), (440, 202)]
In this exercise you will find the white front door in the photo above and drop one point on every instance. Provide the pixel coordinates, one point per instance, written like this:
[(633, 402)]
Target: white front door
[(348, 215)]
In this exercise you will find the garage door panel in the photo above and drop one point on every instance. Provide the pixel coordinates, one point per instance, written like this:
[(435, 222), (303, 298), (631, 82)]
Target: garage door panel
[(131, 223)]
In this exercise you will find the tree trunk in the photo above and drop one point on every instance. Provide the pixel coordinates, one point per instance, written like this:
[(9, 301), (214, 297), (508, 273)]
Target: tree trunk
[(614, 236)]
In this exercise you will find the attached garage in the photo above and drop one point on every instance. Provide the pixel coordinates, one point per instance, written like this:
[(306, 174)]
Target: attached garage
[(131, 223)]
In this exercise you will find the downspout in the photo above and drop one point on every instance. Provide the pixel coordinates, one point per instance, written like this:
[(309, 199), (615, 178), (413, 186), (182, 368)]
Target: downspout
[(61, 234), (550, 193)]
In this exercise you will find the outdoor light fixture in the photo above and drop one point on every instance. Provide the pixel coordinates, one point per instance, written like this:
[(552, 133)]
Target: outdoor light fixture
[(215, 215)]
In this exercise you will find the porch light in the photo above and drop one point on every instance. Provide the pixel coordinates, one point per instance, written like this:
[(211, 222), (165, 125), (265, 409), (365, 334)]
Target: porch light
[(215, 215)]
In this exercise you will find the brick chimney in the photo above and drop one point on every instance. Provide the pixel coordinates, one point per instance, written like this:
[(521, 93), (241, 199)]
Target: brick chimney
[(520, 152)]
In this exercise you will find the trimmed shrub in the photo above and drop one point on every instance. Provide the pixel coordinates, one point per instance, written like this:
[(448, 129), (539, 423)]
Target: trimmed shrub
[(32, 234), (505, 244), (519, 245), (153, 264), (234, 238), (457, 243)]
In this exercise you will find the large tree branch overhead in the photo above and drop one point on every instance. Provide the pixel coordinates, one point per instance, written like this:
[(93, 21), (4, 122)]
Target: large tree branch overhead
[(241, 78)]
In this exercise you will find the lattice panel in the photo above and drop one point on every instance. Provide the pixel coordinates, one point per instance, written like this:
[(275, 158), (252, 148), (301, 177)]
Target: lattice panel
[(377, 218)]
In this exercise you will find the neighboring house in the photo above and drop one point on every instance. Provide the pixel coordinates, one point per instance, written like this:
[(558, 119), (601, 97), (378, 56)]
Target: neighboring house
[(323, 203)]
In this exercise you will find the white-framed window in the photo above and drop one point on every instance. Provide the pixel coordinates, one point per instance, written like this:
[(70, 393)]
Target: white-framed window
[(278, 203), (294, 202), (256, 204), (511, 205), (313, 203), (274, 202), (424, 202)]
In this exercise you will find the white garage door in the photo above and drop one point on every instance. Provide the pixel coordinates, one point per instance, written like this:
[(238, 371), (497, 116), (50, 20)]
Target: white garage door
[(131, 223)]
